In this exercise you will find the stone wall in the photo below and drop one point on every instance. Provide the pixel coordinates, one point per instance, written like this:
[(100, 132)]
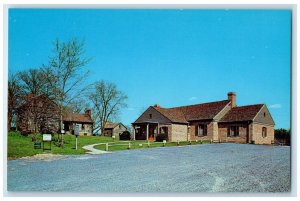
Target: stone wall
[(264, 116), (178, 133), (257, 137), (215, 131), (86, 130)]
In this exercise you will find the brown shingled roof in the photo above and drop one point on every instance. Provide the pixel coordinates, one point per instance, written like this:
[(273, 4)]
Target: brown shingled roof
[(173, 114), (243, 113), (203, 111), (74, 117), (184, 114), (110, 125)]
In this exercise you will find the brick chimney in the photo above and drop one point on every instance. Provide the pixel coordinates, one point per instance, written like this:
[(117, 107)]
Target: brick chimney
[(232, 98), (88, 112), (157, 105)]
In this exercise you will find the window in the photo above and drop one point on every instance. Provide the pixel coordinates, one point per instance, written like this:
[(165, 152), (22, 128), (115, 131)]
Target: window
[(150, 116), (79, 126), (264, 132), (264, 114), (163, 130), (202, 130), (233, 131)]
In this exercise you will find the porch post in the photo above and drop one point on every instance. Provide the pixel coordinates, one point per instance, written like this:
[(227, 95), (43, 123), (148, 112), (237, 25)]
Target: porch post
[(133, 132), (147, 131)]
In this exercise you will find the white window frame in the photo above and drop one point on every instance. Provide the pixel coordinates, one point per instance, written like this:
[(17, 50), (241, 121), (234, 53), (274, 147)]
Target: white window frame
[(234, 131), (201, 130)]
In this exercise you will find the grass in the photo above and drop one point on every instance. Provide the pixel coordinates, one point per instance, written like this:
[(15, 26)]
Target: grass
[(118, 146), (20, 146)]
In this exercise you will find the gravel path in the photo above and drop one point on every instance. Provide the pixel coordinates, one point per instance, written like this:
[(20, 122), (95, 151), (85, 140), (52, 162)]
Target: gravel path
[(48, 157), (197, 168), (94, 151)]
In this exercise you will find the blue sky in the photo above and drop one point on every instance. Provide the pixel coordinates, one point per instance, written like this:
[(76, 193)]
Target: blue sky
[(169, 57)]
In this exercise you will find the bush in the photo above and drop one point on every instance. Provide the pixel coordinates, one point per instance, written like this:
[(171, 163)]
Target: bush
[(36, 137), (283, 136), (25, 133), (54, 138), (14, 133), (161, 137), (125, 135), (140, 137)]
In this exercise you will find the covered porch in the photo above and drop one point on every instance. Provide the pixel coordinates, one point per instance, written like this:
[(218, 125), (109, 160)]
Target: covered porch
[(149, 130)]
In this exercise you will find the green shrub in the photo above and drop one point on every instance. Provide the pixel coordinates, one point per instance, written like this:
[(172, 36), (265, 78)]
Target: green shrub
[(283, 136), (14, 133), (25, 133), (54, 138), (36, 137), (161, 137), (125, 135), (140, 137)]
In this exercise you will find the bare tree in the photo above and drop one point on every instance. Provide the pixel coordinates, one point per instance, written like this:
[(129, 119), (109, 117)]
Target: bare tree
[(66, 73), (32, 82), (107, 101), (14, 97), (78, 105)]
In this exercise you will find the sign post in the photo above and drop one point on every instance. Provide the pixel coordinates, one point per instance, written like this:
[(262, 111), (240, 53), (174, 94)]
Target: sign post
[(76, 134), (47, 138), (62, 138)]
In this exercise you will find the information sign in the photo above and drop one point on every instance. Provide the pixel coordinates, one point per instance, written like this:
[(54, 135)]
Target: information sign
[(77, 130), (47, 137)]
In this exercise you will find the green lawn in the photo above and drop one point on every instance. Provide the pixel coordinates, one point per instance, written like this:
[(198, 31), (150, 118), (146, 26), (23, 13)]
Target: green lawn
[(20, 146), (139, 144)]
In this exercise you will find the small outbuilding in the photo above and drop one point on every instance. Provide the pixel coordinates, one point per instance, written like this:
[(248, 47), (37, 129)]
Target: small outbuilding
[(114, 129), (84, 121)]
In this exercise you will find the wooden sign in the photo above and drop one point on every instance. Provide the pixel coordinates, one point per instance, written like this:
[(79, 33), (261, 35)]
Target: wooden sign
[(47, 137)]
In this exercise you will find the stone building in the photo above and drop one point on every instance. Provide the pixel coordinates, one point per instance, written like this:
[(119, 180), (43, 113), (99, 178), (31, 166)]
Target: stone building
[(114, 129), (84, 121), (39, 114), (221, 121)]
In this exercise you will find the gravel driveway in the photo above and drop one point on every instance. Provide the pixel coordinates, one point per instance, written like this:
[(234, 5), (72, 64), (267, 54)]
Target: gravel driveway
[(197, 168)]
